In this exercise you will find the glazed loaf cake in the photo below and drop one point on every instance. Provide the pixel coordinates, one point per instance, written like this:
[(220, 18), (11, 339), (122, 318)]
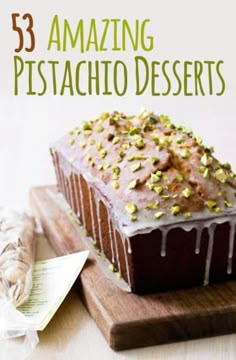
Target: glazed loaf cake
[(155, 200)]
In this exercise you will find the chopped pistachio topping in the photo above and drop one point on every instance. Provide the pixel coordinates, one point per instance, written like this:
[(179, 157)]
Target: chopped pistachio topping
[(154, 160), (206, 159), (158, 214), (164, 141), (179, 178), (115, 185), (106, 166), (92, 141), (159, 173), (186, 153), (221, 176), (152, 206), (72, 141), (82, 145), (89, 157), (155, 178), (115, 140), (110, 137), (71, 132), (152, 120), (175, 209), (87, 132), (125, 146), (86, 126), (91, 163), (226, 166), (122, 153), (77, 131), (220, 193), (111, 268), (201, 169), (206, 173), (99, 146), (187, 192), (133, 184), (100, 129), (103, 153), (156, 139), (133, 131), (116, 170), (158, 189), (188, 214), (104, 115), (228, 203), (180, 140), (165, 120), (165, 197), (136, 167), (136, 157), (131, 208), (211, 204), (140, 144), (100, 167), (133, 218), (198, 140)]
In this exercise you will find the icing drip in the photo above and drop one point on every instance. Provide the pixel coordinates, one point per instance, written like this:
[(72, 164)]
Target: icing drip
[(129, 246), (123, 238), (199, 230), (70, 187), (55, 159), (91, 213), (231, 245), (111, 239), (65, 186), (211, 232), (76, 196), (61, 182), (163, 241), (97, 201), (118, 258), (81, 199)]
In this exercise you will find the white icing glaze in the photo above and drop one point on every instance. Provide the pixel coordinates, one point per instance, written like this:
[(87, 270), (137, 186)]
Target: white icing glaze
[(97, 202), (81, 200), (129, 245), (123, 238), (111, 239), (91, 213), (163, 241), (76, 195), (211, 232), (199, 230), (116, 247)]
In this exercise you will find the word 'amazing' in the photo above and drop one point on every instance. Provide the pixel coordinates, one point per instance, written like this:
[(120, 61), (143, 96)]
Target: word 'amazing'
[(109, 34)]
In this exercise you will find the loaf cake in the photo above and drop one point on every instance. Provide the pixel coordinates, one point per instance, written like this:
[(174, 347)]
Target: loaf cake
[(159, 206)]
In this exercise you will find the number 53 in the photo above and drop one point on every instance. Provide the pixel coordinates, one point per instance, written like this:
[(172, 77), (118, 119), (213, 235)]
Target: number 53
[(29, 30)]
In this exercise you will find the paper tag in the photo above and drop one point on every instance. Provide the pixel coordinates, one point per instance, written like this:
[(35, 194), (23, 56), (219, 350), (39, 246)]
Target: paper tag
[(52, 280)]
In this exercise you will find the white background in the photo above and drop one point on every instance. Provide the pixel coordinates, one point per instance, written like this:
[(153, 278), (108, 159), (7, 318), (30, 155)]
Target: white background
[(184, 30)]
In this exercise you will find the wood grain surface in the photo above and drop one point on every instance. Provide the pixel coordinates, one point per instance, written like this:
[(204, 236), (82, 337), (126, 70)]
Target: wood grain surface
[(127, 320)]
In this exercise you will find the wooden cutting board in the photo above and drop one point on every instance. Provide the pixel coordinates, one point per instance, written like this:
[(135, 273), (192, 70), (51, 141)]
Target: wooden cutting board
[(128, 320)]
